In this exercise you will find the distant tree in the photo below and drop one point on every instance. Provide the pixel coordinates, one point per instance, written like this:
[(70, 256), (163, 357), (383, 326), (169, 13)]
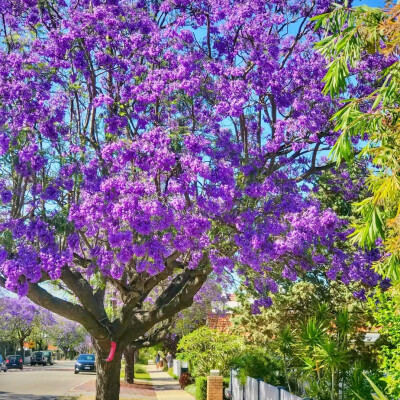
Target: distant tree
[(70, 337), (19, 318)]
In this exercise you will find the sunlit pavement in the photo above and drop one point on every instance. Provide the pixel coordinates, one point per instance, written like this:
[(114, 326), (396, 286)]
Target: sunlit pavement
[(166, 388), (41, 383)]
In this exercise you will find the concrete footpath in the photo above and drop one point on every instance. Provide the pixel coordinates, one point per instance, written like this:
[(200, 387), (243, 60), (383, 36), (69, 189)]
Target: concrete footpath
[(165, 387)]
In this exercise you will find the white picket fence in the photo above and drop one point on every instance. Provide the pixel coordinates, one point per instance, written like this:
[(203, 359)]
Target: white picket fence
[(177, 366), (257, 390)]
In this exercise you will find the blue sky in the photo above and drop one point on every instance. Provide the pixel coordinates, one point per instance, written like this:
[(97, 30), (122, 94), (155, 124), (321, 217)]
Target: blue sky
[(371, 3)]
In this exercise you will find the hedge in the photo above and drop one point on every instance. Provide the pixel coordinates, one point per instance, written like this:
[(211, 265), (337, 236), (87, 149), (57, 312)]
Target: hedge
[(201, 388)]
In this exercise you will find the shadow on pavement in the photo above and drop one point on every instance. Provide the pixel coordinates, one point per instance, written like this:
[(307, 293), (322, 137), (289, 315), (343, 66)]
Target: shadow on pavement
[(13, 396)]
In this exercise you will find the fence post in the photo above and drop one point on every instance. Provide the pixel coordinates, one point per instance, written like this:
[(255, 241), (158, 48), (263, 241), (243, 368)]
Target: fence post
[(258, 388), (230, 382), (280, 388)]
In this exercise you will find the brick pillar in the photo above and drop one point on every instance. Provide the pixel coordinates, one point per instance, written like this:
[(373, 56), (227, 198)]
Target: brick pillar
[(214, 388)]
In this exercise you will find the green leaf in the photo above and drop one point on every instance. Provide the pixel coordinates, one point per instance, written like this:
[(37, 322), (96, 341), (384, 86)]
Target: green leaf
[(380, 394)]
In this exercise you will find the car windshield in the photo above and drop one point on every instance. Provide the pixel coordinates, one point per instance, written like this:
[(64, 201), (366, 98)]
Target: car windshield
[(86, 357), (38, 354), (12, 358)]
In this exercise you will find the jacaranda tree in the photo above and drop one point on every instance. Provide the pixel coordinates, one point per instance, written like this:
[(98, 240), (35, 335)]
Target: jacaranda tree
[(148, 143), (70, 337), (19, 318)]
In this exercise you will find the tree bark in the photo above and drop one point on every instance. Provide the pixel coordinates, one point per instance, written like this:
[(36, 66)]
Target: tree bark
[(130, 355), (108, 375)]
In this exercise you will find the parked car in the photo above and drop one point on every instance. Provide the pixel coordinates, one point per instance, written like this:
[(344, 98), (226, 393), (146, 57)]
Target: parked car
[(14, 361), (85, 363), (38, 357), (3, 366), (49, 356)]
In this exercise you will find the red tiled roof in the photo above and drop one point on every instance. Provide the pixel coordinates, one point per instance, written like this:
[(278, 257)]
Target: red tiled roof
[(220, 322)]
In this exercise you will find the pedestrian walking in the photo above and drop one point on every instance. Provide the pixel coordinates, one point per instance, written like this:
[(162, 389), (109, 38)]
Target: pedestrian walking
[(158, 359), (169, 360)]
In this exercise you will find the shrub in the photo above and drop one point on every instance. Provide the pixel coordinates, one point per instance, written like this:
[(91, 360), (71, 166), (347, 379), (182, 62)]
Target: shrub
[(258, 363), (143, 358), (206, 349), (185, 379), (201, 388), (140, 370), (145, 355), (165, 369)]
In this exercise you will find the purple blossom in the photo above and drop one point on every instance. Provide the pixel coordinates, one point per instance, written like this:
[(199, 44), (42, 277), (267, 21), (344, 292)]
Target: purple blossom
[(6, 196)]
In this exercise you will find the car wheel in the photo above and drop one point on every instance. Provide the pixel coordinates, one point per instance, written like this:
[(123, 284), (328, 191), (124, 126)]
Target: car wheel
[(76, 372), (21, 368)]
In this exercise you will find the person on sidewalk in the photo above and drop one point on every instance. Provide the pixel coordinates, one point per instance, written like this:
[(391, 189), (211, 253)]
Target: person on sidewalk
[(169, 360), (158, 358)]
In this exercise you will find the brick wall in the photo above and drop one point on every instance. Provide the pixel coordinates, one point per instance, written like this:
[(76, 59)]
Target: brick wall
[(214, 388)]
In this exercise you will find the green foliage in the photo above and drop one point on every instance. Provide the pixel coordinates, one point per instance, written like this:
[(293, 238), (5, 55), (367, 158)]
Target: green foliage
[(350, 34), (206, 349), (140, 370), (201, 388), (171, 373), (312, 334), (378, 395), (191, 389), (386, 312), (358, 386), (257, 363), (146, 354)]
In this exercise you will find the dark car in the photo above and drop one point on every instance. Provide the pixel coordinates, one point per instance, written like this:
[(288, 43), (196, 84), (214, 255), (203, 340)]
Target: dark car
[(49, 356), (38, 357), (14, 361), (85, 363), (3, 366)]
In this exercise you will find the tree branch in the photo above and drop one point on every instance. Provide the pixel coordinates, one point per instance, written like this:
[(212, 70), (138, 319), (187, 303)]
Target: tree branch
[(64, 308)]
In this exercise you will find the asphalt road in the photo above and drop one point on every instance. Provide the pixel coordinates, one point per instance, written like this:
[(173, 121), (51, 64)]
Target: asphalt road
[(41, 383)]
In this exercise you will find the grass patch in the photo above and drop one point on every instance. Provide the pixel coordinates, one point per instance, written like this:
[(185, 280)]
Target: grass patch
[(171, 373), (140, 372), (191, 389)]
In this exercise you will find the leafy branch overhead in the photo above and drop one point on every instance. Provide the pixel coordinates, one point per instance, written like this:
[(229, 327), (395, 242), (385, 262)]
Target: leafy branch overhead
[(355, 40)]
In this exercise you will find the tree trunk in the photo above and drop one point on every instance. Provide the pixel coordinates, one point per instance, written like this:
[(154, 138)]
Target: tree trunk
[(130, 356), (108, 375)]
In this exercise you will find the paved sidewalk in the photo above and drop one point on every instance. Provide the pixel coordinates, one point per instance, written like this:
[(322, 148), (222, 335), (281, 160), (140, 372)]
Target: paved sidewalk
[(166, 388), (136, 391)]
